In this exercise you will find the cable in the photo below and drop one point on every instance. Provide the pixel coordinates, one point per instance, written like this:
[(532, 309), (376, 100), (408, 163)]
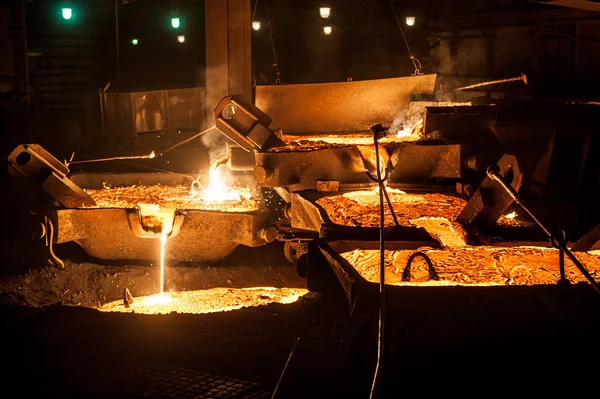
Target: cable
[(377, 130), (254, 12), (415, 61), (275, 56), (188, 139)]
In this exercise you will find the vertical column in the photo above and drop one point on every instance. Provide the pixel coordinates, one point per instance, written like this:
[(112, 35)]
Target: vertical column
[(228, 57), (240, 71)]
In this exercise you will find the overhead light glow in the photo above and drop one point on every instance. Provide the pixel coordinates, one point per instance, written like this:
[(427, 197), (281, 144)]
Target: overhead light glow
[(256, 25), (175, 22), (327, 30), (135, 42), (410, 21), (181, 38), (325, 12), (67, 12)]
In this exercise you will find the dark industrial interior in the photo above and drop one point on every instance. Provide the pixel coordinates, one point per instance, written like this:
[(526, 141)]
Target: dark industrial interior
[(300, 198)]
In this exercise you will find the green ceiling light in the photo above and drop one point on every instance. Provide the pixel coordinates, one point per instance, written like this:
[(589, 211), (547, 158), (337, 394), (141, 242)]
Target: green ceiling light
[(135, 42), (175, 22), (67, 13)]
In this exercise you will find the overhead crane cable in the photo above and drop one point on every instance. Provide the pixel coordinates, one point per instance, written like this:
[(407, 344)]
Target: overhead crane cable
[(254, 11), (415, 61), (275, 55)]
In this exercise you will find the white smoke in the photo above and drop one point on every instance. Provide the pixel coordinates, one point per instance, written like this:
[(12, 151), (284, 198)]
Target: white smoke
[(408, 122)]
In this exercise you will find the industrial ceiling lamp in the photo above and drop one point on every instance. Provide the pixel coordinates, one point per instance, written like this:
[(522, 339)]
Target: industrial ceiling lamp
[(67, 13), (256, 25), (181, 38), (66, 10), (175, 15), (325, 12), (410, 21), (327, 30)]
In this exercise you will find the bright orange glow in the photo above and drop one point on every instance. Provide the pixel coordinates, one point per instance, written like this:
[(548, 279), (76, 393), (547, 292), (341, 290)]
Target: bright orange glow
[(411, 130), (206, 301), (217, 189)]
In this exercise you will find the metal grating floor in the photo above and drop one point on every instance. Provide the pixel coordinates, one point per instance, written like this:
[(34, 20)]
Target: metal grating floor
[(148, 380)]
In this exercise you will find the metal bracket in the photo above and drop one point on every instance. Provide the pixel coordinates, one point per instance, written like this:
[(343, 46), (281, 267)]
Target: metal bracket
[(245, 124), (32, 162), (490, 200), (48, 235)]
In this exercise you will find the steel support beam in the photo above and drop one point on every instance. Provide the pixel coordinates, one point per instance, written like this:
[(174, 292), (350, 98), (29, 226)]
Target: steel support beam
[(228, 55)]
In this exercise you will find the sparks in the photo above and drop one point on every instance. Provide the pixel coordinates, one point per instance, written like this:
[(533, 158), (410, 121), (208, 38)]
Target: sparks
[(217, 189)]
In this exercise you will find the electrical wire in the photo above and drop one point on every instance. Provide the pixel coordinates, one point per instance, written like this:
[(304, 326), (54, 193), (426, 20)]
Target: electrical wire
[(187, 140), (254, 11), (275, 56), (415, 61)]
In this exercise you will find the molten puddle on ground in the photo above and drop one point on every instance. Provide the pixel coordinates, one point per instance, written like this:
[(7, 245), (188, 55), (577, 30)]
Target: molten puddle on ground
[(206, 301)]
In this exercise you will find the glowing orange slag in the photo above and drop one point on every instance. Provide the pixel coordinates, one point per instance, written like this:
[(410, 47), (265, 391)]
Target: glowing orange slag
[(207, 301)]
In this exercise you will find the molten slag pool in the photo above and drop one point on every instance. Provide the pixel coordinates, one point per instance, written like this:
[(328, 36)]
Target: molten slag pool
[(206, 301)]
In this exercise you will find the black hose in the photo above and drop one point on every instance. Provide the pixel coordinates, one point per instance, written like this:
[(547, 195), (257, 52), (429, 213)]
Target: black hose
[(432, 273), (381, 325)]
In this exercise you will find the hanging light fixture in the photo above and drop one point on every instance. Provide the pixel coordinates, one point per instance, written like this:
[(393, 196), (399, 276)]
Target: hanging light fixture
[(410, 21), (135, 41), (327, 30), (325, 12), (67, 13), (256, 25), (181, 38)]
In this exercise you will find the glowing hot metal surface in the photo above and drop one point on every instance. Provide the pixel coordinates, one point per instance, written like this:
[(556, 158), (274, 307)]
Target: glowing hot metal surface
[(207, 301), (173, 197), (474, 266)]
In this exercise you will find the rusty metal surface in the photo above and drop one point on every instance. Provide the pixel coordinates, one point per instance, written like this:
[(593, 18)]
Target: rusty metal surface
[(590, 241), (32, 162), (306, 214), (421, 163), (117, 234), (302, 170), (490, 200), (245, 124), (339, 107), (307, 170)]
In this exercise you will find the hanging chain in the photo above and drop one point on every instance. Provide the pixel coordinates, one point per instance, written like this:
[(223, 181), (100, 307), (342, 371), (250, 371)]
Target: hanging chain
[(275, 56), (415, 61)]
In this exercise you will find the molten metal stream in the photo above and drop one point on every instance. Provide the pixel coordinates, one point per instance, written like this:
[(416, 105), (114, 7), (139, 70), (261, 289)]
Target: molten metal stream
[(167, 227), (163, 242)]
